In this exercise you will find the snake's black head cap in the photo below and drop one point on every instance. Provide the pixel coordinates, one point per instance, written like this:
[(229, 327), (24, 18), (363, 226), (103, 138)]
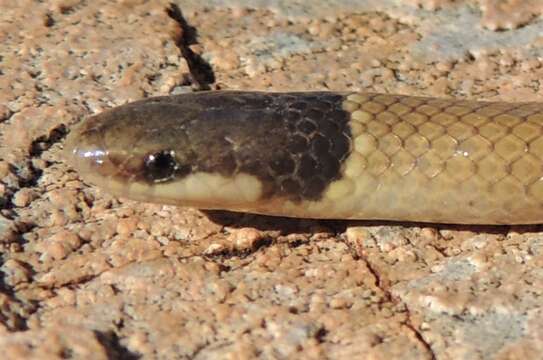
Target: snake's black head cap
[(293, 143)]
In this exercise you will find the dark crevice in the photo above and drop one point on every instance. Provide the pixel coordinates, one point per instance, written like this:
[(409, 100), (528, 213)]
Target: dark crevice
[(43, 143), (439, 249), (198, 350), (48, 21), (320, 335), (9, 316), (67, 9), (416, 333), (15, 312), (15, 322), (381, 283), (113, 347), (298, 242), (27, 174), (9, 113), (200, 70)]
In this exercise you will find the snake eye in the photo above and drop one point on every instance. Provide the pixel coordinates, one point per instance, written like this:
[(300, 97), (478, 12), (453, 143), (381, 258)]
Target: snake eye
[(161, 166)]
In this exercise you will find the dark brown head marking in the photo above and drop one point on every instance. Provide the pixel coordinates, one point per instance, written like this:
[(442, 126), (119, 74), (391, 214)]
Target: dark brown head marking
[(294, 143)]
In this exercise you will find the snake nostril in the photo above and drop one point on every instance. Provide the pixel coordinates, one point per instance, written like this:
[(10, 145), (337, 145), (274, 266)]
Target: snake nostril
[(161, 166)]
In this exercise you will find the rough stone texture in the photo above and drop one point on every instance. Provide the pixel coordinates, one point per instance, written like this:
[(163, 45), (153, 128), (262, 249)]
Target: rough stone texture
[(87, 275)]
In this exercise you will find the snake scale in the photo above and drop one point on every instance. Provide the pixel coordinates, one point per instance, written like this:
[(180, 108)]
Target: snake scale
[(322, 155)]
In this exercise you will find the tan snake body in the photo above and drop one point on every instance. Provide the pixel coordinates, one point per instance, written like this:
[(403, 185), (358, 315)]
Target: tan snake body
[(322, 155)]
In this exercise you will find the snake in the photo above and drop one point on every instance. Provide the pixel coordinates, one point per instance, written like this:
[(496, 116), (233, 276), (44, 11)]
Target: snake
[(321, 155)]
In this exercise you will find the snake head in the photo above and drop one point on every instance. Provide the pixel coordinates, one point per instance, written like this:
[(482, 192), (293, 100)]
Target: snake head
[(215, 149)]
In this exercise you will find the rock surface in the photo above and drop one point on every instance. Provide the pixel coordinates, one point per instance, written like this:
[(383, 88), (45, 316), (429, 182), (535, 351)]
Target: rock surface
[(86, 275)]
